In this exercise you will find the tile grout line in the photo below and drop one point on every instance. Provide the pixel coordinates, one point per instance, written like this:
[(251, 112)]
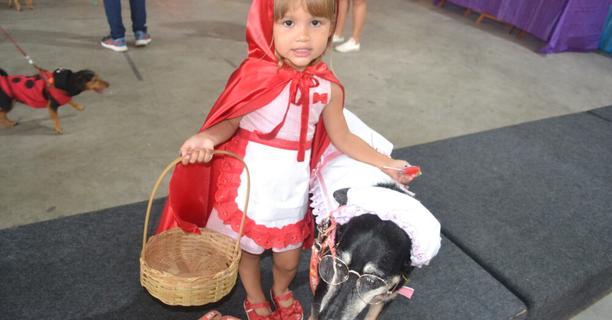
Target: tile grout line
[(132, 66)]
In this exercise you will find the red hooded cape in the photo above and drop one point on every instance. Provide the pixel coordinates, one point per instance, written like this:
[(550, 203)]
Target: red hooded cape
[(253, 85)]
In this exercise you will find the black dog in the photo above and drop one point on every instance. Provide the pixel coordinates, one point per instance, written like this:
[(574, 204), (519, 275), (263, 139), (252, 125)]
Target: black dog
[(49, 90), (381, 233), (367, 245)]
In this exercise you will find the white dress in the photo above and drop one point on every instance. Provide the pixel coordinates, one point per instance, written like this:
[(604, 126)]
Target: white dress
[(278, 199)]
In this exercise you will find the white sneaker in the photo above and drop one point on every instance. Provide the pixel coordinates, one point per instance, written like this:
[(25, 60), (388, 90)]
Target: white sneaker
[(349, 46), (337, 39)]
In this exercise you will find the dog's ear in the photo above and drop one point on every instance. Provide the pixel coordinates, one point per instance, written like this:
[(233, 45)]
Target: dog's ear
[(84, 76), (79, 81), (341, 196), (62, 78)]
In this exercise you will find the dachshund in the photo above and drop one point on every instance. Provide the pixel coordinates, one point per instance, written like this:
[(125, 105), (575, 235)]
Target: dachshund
[(49, 90)]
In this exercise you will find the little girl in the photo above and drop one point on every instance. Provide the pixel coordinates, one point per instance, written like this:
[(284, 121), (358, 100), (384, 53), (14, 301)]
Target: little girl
[(279, 111)]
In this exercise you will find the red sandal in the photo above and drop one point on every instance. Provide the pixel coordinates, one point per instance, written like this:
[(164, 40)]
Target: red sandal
[(292, 312), (249, 309), (216, 315), (211, 315)]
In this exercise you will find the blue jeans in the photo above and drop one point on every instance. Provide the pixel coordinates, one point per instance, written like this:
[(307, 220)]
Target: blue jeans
[(113, 15)]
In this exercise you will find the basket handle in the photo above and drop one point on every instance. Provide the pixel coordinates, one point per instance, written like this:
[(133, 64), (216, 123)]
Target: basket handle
[(172, 165)]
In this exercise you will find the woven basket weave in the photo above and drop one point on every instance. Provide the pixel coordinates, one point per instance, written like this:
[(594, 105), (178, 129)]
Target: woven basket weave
[(188, 269)]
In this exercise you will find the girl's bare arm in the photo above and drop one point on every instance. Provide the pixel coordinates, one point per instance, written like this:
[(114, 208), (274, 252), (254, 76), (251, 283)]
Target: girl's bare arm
[(352, 145), (200, 147)]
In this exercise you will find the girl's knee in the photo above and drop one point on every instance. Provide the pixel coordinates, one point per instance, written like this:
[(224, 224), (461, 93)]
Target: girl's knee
[(287, 266), (287, 261)]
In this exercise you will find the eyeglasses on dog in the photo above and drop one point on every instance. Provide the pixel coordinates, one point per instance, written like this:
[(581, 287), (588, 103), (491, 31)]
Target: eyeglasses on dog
[(371, 288)]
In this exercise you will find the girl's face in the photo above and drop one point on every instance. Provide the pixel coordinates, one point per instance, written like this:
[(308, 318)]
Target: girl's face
[(300, 38)]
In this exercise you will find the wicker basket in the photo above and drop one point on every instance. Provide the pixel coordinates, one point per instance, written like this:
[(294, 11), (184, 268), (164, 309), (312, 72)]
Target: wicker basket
[(187, 269)]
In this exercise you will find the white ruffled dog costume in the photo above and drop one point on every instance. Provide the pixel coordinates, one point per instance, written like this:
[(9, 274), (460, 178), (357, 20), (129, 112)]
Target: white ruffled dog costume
[(337, 171)]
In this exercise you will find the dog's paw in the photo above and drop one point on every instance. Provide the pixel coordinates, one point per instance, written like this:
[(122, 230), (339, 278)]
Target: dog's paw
[(58, 131), (9, 124), (77, 106)]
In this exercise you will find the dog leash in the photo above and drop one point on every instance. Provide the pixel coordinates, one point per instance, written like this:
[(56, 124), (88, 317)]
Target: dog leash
[(325, 241), (25, 55), (40, 70)]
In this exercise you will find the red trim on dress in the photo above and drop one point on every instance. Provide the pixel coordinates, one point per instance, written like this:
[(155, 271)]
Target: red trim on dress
[(273, 142), (231, 213)]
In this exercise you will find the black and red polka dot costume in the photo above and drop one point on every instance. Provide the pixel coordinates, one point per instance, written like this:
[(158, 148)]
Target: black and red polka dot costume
[(36, 91)]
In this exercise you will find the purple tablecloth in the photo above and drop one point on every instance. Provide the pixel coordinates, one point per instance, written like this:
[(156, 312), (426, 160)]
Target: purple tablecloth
[(579, 27), (565, 25), (485, 6), (538, 17)]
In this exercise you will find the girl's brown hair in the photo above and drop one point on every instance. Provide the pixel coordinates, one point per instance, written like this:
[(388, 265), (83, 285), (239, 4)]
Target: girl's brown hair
[(317, 8)]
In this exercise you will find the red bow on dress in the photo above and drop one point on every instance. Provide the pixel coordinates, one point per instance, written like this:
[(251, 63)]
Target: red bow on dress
[(302, 81)]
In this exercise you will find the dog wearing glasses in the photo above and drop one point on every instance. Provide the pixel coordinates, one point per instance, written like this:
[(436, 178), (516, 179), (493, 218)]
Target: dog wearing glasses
[(382, 233)]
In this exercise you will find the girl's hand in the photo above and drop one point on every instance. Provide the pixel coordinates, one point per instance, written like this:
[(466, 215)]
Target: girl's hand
[(197, 149), (394, 168)]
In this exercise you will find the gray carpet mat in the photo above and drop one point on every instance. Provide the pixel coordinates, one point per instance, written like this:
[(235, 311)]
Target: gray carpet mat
[(531, 203), (86, 267), (604, 113)]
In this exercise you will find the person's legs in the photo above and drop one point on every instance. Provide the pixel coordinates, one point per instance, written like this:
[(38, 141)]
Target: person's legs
[(139, 22), (250, 275), (360, 8), (139, 15), (285, 266), (113, 15), (341, 19)]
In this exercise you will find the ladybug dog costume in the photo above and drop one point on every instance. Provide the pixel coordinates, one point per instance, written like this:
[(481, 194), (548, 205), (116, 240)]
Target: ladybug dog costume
[(49, 90)]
